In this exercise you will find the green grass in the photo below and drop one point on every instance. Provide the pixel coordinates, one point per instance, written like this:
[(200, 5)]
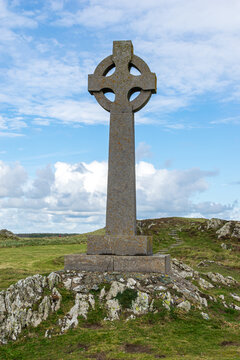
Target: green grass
[(187, 336), (29, 256), (20, 262), (196, 246), (40, 240), (173, 335)]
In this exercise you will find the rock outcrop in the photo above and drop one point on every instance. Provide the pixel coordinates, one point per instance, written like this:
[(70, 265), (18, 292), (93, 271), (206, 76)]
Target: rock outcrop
[(25, 303), (230, 229), (215, 223), (126, 295), (6, 235)]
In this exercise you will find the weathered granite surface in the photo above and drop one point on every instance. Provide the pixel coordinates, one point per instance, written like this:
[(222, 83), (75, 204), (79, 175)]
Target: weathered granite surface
[(85, 262), (144, 264), (121, 192), (119, 245)]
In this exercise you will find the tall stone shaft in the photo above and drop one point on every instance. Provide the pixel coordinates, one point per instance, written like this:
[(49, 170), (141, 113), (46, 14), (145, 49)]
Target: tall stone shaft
[(121, 192)]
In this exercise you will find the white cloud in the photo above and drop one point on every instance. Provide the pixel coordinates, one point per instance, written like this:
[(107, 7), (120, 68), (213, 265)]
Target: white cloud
[(41, 121), (143, 151), (235, 120), (3, 125), (9, 19), (9, 134), (168, 191), (234, 214), (7, 124), (57, 5), (42, 184), (72, 197), (48, 86), (80, 187), (12, 179), (193, 46), (94, 16), (68, 111), (48, 77), (156, 16)]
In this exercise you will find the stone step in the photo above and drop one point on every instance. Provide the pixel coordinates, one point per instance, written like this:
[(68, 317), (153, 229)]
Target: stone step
[(174, 245), (119, 245), (145, 264)]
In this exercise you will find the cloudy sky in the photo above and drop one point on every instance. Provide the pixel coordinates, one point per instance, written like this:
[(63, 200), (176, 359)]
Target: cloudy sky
[(54, 135)]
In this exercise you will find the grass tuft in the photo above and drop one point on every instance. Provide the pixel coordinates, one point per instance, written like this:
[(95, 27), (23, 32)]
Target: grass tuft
[(126, 298)]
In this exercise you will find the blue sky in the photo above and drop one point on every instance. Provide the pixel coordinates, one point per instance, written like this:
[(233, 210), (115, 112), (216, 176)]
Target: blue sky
[(54, 135)]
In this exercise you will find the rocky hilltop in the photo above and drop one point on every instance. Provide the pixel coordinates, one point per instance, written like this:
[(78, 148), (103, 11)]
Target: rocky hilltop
[(125, 295), (224, 229), (200, 281)]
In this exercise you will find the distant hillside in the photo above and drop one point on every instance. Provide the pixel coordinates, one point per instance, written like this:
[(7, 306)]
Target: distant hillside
[(43, 235)]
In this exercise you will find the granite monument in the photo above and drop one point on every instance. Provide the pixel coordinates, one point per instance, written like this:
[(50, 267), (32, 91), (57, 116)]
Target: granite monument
[(120, 249)]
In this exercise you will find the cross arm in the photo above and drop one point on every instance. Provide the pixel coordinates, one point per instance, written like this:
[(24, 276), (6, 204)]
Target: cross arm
[(98, 83), (148, 81)]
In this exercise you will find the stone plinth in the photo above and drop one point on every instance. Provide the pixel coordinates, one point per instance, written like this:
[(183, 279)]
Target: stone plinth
[(143, 264), (119, 245)]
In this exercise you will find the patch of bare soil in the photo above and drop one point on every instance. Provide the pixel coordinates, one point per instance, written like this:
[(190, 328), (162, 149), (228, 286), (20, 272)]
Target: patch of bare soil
[(141, 349), (230, 343), (137, 348), (92, 326), (236, 247), (98, 356), (76, 347)]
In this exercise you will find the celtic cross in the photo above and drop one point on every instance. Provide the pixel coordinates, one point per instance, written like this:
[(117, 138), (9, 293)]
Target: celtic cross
[(121, 192)]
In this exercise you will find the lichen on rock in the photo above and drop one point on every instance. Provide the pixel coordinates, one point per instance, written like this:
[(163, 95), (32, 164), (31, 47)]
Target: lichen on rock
[(32, 300), (24, 304), (141, 304), (113, 308)]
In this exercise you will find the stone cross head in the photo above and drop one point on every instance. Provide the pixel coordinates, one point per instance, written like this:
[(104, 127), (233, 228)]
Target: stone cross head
[(122, 83)]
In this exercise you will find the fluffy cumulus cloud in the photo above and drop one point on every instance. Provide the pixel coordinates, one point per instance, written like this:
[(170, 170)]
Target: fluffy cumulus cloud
[(163, 192), (72, 197), (63, 197), (12, 180)]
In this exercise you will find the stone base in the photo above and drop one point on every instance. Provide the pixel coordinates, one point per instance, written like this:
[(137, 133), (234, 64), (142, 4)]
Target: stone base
[(119, 245), (101, 263)]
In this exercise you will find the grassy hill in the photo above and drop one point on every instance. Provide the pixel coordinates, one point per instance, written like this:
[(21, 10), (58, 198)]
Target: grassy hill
[(171, 335)]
